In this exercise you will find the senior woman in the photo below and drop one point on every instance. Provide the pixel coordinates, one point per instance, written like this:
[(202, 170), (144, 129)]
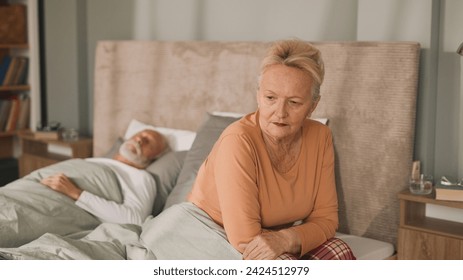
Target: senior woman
[(267, 188), (269, 180)]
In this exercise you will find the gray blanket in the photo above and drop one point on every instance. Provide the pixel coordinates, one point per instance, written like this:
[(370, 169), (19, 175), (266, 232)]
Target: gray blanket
[(107, 242), (180, 232), (29, 209)]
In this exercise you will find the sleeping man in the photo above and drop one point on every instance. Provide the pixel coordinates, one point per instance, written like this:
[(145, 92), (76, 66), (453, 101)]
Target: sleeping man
[(136, 184)]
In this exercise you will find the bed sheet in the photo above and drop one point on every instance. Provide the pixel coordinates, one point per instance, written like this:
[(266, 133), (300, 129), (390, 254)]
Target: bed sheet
[(29, 209)]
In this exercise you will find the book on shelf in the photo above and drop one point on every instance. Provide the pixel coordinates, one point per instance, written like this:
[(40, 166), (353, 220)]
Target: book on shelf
[(24, 112), (5, 106), (4, 64), (14, 112), (16, 73), (19, 77), (13, 115), (12, 68), (451, 192)]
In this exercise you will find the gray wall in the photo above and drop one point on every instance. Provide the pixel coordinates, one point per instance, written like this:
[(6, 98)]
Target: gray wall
[(74, 26)]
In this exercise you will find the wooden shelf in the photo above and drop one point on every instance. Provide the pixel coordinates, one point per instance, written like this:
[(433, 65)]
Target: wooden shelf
[(8, 133), (15, 88), (437, 226), (430, 199), (14, 46), (14, 133)]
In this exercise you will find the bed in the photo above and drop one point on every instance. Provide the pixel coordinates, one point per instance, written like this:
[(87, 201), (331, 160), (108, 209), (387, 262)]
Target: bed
[(192, 90)]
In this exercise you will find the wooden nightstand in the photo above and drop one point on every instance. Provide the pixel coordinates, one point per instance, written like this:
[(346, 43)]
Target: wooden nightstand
[(38, 153), (6, 144), (421, 237)]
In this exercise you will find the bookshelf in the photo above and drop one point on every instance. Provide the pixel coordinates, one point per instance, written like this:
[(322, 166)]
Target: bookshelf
[(14, 63), (27, 46)]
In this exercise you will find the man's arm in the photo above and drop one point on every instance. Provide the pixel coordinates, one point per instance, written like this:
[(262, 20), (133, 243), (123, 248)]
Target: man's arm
[(137, 202), (61, 183)]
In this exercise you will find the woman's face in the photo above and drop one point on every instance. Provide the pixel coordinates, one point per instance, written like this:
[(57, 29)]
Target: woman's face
[(285, 101)]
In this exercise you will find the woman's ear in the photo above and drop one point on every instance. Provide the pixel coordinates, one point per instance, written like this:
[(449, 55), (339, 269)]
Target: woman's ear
[(313, 107)]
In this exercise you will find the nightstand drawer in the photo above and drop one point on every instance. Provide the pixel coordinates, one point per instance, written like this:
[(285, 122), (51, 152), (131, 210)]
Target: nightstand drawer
[(29, 163), (420, 245)]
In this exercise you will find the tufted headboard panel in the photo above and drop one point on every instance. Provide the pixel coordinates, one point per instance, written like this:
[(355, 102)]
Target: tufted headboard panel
[(369, 96)]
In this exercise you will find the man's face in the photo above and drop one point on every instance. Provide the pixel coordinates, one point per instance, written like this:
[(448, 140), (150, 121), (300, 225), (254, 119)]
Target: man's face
[(142, 148)]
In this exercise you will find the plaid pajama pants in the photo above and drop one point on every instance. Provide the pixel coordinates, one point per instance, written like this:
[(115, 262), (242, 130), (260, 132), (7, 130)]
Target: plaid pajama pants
[(333, 249)]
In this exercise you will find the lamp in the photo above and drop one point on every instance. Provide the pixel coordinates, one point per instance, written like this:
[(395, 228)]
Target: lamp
[(460, 49)]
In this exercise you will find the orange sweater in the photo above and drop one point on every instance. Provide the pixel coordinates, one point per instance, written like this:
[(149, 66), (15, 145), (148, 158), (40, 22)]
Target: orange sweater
[(239, 188)]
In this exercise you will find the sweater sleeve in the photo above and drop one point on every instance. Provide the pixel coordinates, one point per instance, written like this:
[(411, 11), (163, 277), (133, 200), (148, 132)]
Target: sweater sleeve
[(235, 175), (322, 222)]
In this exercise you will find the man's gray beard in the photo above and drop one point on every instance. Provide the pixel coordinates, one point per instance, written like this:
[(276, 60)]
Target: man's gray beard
[(136, 158)]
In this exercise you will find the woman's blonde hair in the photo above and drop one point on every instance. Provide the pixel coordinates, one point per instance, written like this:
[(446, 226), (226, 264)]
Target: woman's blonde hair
[(298, 54)]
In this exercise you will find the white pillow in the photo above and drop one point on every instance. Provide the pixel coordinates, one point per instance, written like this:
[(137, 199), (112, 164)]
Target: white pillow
[(322, 120), (178, 139), (239, 115), (228, 114)]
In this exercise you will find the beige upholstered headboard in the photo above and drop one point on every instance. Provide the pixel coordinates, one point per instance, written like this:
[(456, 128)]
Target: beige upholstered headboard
[(369, 96)]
